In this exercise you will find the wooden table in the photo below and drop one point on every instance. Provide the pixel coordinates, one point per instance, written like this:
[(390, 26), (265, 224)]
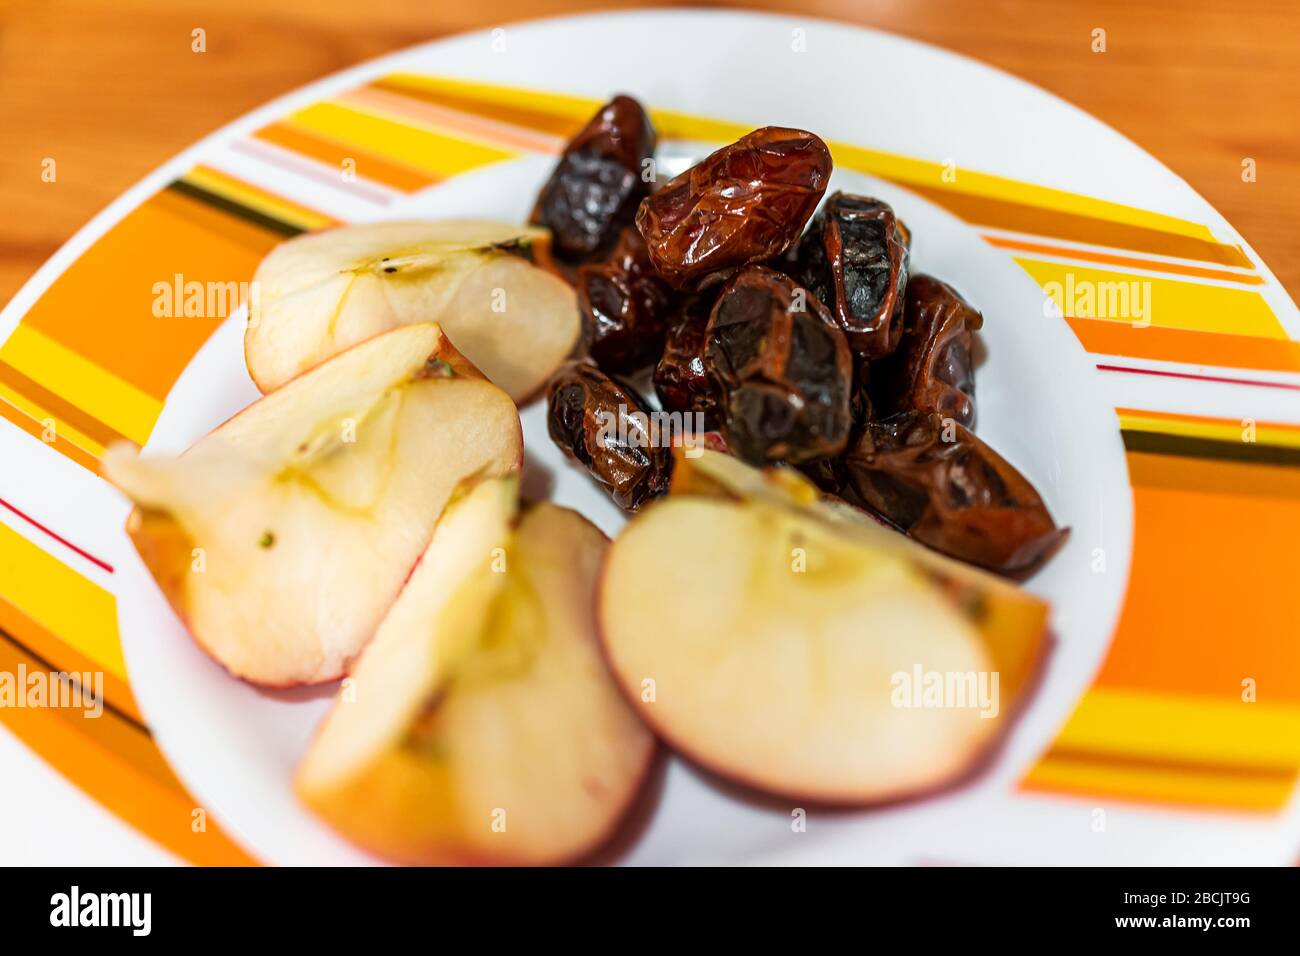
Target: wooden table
[(111, 88)]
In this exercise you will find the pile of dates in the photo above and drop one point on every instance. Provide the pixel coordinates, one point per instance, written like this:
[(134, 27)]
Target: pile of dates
[(781, 331)]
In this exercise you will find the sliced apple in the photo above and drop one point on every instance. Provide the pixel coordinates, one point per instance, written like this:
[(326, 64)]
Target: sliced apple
[(796, 650), (283, 536), (320, 293), (481, 725), (1011, 621)]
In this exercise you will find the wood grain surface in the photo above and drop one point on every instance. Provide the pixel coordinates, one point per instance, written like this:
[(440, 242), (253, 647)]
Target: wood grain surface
[(111, 88)]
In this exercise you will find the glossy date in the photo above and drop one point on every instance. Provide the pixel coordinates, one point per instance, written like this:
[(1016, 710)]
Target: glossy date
[(932, 368), (855, 258), (743, 204), (625, 308), (602, 424), (600, 179), (781, 368), (935, 480)]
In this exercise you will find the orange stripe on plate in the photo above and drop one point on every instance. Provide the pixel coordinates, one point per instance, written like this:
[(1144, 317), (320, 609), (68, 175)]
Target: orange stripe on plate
[(1215, 476), (112, 731), (102, 305), (442, 118), (1243, 770), (1040, 221), (158, 810), (1103, 337), (1200, 619), (1067, 774), (1127, 228), (60, 444), (558, 125), (56, 406), (1212, 557), (368, 165), (1153, 265), (64, 657)]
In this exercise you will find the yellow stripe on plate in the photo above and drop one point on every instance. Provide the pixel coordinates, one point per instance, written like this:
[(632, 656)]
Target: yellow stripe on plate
[(72, 607), (423, 149), (940, 176), (1219, 429), (577, 109), (257, 199), (672, 124), (82, 383), (1191, 729), (1091, 780), (41, 416), (1174, 304)]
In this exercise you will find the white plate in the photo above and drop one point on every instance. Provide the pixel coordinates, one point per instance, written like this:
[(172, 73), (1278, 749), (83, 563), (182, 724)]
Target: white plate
[(1040, 403)]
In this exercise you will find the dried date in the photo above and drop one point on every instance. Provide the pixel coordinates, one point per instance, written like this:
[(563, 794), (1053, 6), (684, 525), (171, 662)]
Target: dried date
[(781, 368), (931, 370), (681, 378), (743, 204), (602, 424), (625, 308), (598, 183), (936, 481), (855, 258)]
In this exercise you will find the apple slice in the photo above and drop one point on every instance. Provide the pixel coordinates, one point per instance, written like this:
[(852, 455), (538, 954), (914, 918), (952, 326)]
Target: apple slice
[(804, 653), (282, 537), (320, 293), (481, 725), (1011, 621)]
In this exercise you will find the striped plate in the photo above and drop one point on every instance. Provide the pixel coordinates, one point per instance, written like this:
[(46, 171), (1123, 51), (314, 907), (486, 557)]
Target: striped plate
[(1143, 368)]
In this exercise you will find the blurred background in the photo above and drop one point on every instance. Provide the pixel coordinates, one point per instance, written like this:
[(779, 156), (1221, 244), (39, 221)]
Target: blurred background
[(111, 88)]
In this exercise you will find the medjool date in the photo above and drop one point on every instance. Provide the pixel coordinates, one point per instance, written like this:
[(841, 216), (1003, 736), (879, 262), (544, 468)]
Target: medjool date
[(602, 424), (624, 306), (854, 258), (933, 479), (598, 182), (931, 369), (681, 379), (745, 203), (782, 369)]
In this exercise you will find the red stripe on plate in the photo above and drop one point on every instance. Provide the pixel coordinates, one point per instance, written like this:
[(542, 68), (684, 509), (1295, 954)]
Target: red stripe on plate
[(58, 537), (1199, 378)]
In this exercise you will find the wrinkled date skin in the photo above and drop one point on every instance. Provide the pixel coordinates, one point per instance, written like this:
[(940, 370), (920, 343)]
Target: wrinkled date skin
[(782, 369), (931, 370), (587, 413), (625, 307), (681, 379), (745, 203), (958, 495), (598, 183), (854, 258), (861, 405)]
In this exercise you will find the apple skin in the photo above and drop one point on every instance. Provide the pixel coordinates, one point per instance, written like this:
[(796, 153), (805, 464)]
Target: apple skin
[(1011, 629), (364, 811), (166, 547), (412, 781), (323, 292)]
